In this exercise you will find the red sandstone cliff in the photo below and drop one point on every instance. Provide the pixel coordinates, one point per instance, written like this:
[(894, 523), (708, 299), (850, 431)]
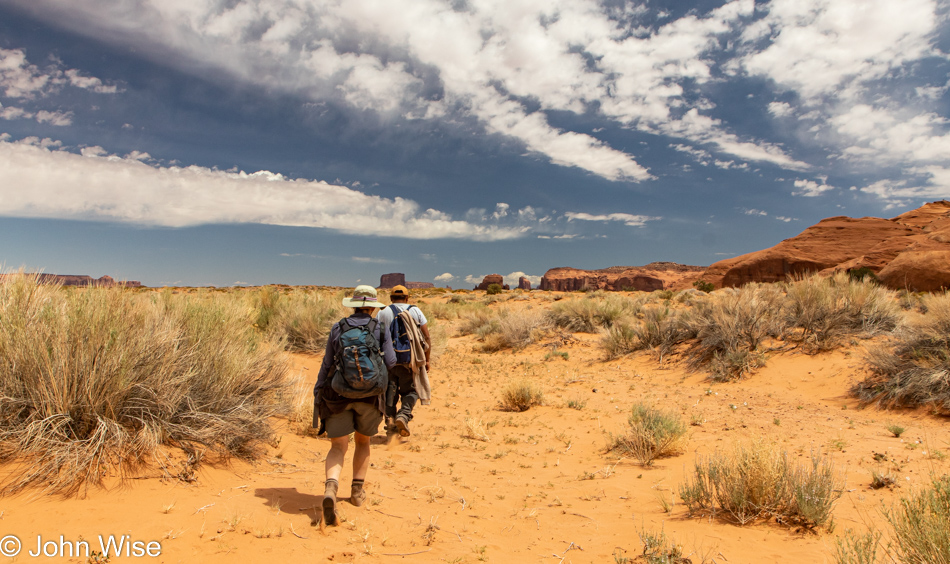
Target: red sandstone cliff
[(909, 251)]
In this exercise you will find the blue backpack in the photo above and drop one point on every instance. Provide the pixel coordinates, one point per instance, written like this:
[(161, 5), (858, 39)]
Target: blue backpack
[(400, 337), (360, 370)]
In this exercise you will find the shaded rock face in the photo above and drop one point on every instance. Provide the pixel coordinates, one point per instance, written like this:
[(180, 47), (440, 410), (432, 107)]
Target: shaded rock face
[(909, 251), (654, 276), (524, 283), (393, 279), (492, 279)]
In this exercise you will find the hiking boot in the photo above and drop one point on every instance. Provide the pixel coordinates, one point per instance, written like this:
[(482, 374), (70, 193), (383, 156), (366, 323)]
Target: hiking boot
[(329, 504), (357, 495), (402, 425)]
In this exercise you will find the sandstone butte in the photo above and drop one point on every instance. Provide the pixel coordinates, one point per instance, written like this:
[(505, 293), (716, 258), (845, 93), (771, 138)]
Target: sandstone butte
[(82, 280), (910, 251), (654, 276)]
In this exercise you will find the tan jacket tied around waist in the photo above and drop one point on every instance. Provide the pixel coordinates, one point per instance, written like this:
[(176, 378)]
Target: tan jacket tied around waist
[(417, 349)]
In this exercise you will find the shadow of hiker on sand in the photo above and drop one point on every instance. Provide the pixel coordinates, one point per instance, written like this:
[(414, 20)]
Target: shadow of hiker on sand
[(289, 500)]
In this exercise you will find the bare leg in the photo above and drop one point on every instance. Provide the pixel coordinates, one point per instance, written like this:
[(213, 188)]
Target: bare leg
[(335, 458), (337, 452), (360, 457)]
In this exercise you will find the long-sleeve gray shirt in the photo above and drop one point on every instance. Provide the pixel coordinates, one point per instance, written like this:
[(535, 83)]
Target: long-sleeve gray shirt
[(333, 347)]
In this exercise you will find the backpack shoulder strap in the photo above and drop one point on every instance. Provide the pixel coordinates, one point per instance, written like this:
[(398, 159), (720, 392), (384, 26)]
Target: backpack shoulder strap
[(344, 326)]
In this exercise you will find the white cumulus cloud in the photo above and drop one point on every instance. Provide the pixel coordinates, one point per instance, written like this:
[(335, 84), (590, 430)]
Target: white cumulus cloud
[(626, 218)]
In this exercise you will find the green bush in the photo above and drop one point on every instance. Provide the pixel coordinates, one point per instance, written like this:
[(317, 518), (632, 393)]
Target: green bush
[(704, 286), (493, 289)]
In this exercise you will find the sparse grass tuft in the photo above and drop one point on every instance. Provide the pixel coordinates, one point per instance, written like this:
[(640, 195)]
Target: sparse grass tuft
[(520, 395), (896, 430), (661, 549), (920, 523), (592, 312), (652, 434), (756, 481), (854, 548)]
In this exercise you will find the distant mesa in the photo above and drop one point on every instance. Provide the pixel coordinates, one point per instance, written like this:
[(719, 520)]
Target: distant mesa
[(654, 276), (80, 280), (910, 251), (492, 279), (524, 283), (399, 279)]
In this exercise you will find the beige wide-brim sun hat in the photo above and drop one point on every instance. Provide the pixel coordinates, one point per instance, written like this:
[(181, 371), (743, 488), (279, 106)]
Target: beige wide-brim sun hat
[(363, 296)]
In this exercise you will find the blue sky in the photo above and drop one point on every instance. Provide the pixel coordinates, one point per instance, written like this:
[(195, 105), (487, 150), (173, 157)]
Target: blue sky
[(212, 142)]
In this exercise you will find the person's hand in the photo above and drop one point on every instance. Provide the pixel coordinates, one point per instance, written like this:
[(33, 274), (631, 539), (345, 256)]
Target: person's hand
[(427, 366)]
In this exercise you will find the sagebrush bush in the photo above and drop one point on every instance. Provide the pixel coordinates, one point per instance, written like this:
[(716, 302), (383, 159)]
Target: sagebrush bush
[(731, 326), (854, 548), (95, 380), (914, 369), (756, 481), (652, 434), (506, 329), (302, 318), (520, 395), (921, 524), (593, 312), (829, 310)]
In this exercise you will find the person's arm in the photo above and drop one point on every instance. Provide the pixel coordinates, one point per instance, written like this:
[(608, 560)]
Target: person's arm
[(389, 355), (328, 358), (428, 349)]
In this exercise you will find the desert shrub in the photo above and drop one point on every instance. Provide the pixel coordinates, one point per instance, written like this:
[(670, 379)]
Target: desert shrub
[(507, 330), (266, 302), (854, 548), (704, 286), (652, 434), (829, 310), (658, 548), (863, 274), (756, 481), (493, 289), (595, 311), (476, 321), (94, 381), (914, 369), (920, 524), (621, 339), (657, 329), (520, 395), (303, 319), (731, 327)]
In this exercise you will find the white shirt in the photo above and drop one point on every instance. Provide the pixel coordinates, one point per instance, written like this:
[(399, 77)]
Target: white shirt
[(386, 316)]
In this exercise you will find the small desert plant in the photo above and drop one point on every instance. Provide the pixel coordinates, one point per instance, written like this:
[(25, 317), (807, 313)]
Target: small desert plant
[(731, 328), (863, 274), (756, 481), (620, 340), (881, 480), (920, 523), (896, 430), (512, 330), (913, 370), (493, 289), (652, 434), (854, 548), (520, 395), (302, 319), (661, 549)]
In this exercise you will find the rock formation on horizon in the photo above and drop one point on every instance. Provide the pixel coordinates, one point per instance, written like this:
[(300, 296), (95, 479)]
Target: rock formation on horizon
[(399, 279), (524, 283), (654, 276), (909, 251), (81, 280), (492, 279)]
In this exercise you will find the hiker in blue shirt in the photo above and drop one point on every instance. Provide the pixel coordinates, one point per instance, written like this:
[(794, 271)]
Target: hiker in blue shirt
[(401, 376), (339, 415)]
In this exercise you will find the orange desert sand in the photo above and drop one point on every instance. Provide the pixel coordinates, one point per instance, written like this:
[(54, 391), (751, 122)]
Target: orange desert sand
[(541, 488)]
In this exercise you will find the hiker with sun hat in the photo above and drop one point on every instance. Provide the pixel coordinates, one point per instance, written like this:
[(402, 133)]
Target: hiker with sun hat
[(349, 396)]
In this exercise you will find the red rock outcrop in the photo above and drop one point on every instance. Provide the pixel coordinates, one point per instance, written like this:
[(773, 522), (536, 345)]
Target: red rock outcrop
[(524, 283), (654, 276), (492, 279), (392, 279), (909, 251)]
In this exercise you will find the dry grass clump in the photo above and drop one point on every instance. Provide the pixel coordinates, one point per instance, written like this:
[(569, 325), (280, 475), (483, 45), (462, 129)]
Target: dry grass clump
[(652, 434), (520, 395), (93, 381), (731, 326), (756, 481), (915, 369), (658, 329), (921, 524), (658, 548), (829, 310), (506, 329), (854, 548), (592, 312), (301, 318)]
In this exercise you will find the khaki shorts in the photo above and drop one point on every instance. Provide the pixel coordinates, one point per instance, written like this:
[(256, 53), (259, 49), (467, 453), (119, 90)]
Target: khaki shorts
[(358, 416)]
